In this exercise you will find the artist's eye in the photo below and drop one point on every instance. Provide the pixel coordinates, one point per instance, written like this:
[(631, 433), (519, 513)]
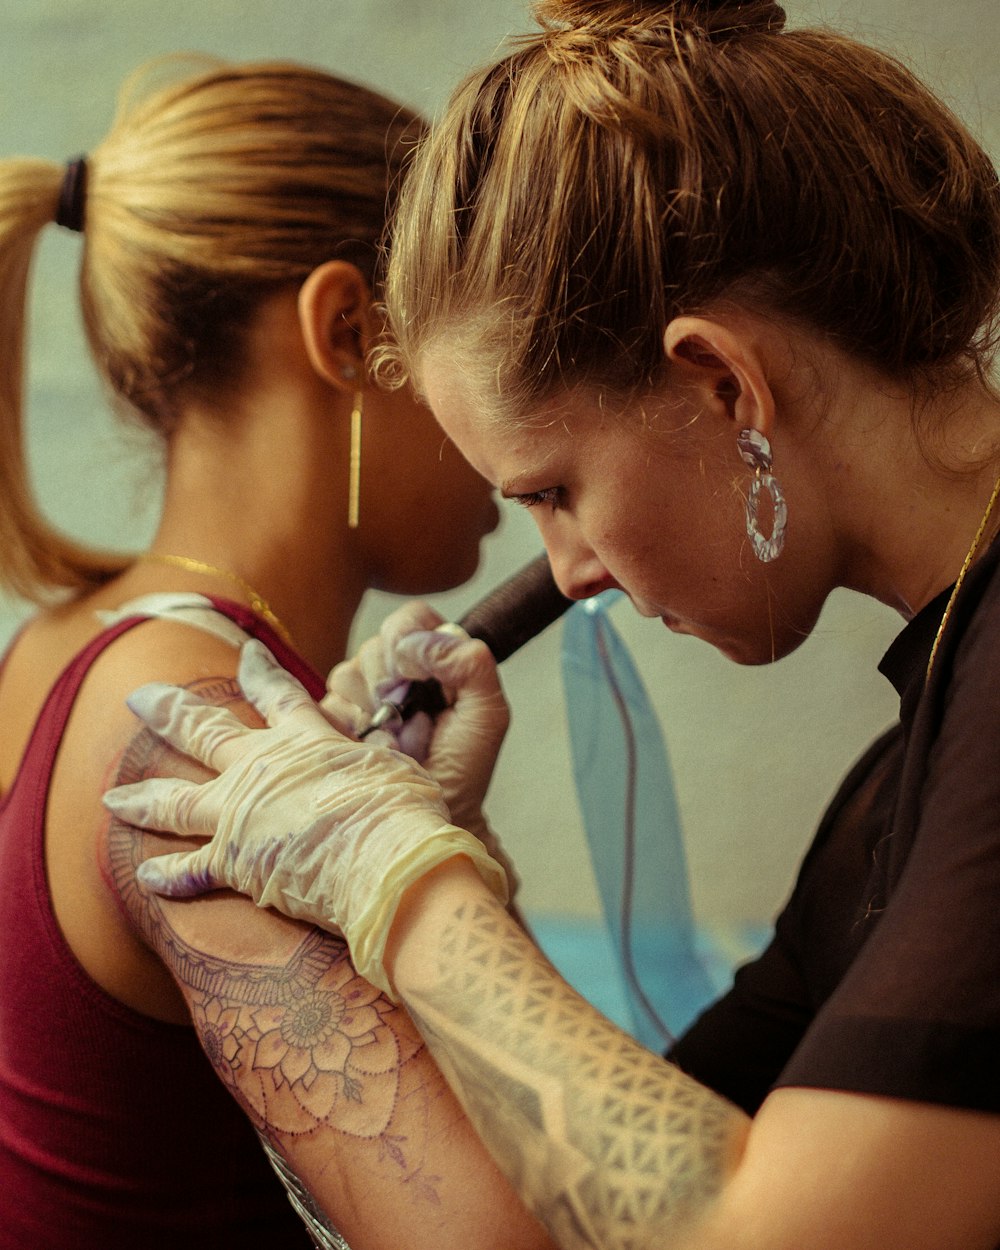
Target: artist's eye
[(553, 496)]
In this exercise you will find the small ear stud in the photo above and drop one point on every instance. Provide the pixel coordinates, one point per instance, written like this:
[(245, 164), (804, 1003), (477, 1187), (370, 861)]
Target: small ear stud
[(348, 372)]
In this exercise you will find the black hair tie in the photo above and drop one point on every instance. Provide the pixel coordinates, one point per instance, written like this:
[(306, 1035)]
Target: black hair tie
[(73, 195)]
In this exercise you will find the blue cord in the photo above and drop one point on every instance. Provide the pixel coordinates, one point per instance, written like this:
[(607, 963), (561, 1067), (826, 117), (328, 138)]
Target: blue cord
[(629, 808)]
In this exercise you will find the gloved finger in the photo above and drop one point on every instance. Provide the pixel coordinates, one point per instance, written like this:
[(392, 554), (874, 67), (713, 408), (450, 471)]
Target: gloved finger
[(459, 663), (384, 738), (410, 618), (199, 729), (180, 875), (278, 696), (373, 671), (344, 716), (346, 681), (414, 737), (377, 661), (166, 804)]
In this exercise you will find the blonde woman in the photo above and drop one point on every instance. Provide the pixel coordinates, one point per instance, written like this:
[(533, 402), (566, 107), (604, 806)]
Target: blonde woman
[(229, 226), (718, 302)]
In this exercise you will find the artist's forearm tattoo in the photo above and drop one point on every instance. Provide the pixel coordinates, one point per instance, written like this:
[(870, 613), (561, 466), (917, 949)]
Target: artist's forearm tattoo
[(608, 1144), (303, 1042)]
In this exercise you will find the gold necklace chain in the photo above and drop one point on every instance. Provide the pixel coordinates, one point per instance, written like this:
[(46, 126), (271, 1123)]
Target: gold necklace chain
[(967, 563), (258, 603)]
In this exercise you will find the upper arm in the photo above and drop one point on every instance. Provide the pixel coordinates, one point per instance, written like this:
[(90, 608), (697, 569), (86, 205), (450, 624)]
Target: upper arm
[(331, 1073)]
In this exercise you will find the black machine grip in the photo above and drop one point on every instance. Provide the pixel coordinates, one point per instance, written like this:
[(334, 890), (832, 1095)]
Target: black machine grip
[(509, 616), (517, 610)]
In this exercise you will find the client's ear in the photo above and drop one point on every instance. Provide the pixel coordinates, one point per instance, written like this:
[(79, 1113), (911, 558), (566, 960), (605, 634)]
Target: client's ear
[(335, 319), (725, 367)]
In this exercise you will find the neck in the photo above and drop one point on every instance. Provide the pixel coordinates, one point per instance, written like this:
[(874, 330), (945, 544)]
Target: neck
[(910, 491), (259, 491), (265, 524)]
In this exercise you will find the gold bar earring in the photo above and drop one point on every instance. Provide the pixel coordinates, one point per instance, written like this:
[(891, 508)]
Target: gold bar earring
[(354, 470)]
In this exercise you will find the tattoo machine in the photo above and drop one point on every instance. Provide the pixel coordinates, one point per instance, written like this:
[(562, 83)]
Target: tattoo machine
[(512, 614)]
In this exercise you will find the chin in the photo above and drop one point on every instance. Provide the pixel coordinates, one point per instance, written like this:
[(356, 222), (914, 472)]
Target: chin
[(746, 650), (415, 581), (754, 653), (457, 577)]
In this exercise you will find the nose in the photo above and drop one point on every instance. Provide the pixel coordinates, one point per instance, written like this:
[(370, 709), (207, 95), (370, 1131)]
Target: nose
[(578, 572)]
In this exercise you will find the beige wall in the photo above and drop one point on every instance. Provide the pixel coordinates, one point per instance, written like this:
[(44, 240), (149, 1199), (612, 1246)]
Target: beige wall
[(756, 752)]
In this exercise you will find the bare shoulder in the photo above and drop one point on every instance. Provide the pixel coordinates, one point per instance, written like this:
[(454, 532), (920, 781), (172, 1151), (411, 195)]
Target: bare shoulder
[(114, 932), (150, 943)]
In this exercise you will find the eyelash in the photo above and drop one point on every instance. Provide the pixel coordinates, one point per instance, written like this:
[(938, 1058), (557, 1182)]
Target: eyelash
[(553, 496)]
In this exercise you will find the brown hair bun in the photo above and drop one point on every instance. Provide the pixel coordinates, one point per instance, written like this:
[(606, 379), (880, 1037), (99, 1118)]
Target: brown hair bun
[(717, 19), (604, 178)]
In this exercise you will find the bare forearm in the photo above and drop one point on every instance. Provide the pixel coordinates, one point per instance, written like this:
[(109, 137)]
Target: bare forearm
[(607, 1143)]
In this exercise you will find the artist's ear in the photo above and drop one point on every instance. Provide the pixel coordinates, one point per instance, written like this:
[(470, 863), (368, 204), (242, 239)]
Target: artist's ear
[(726, 369), (335, 318)]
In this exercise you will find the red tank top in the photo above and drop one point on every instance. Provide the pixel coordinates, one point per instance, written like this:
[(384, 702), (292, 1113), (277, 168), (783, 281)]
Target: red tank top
[(114, 1130)]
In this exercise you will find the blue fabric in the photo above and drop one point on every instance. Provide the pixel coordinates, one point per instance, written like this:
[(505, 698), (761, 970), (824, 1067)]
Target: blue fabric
[(629, 808)]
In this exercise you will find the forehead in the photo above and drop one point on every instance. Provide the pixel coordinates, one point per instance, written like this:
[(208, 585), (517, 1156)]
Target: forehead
[(495, 445)]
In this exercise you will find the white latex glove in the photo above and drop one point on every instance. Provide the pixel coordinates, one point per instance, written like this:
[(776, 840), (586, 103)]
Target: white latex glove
[(460, 747), (301, 818)]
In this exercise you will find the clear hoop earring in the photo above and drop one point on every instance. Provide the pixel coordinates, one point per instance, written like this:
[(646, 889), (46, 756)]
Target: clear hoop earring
[(755, 451)]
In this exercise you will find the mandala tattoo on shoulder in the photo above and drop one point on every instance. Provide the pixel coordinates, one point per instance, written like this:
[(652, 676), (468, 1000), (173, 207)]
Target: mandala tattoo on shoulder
[(302, 1043)]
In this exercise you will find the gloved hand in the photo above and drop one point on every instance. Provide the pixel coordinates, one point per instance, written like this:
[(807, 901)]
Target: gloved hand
[(459, 748), (301, 818)]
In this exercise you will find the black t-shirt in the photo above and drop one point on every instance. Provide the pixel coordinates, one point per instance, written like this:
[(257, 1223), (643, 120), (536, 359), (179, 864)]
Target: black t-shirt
[(883, 976)]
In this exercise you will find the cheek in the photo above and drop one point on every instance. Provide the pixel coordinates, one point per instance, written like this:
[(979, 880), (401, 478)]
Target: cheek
[(680, 545), (630, 542)]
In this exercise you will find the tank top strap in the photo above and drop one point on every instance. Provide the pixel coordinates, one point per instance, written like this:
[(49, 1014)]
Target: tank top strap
[(191, 609)]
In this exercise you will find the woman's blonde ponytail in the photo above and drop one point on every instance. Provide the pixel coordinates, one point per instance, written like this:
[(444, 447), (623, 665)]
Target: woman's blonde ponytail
[(35, 558)]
